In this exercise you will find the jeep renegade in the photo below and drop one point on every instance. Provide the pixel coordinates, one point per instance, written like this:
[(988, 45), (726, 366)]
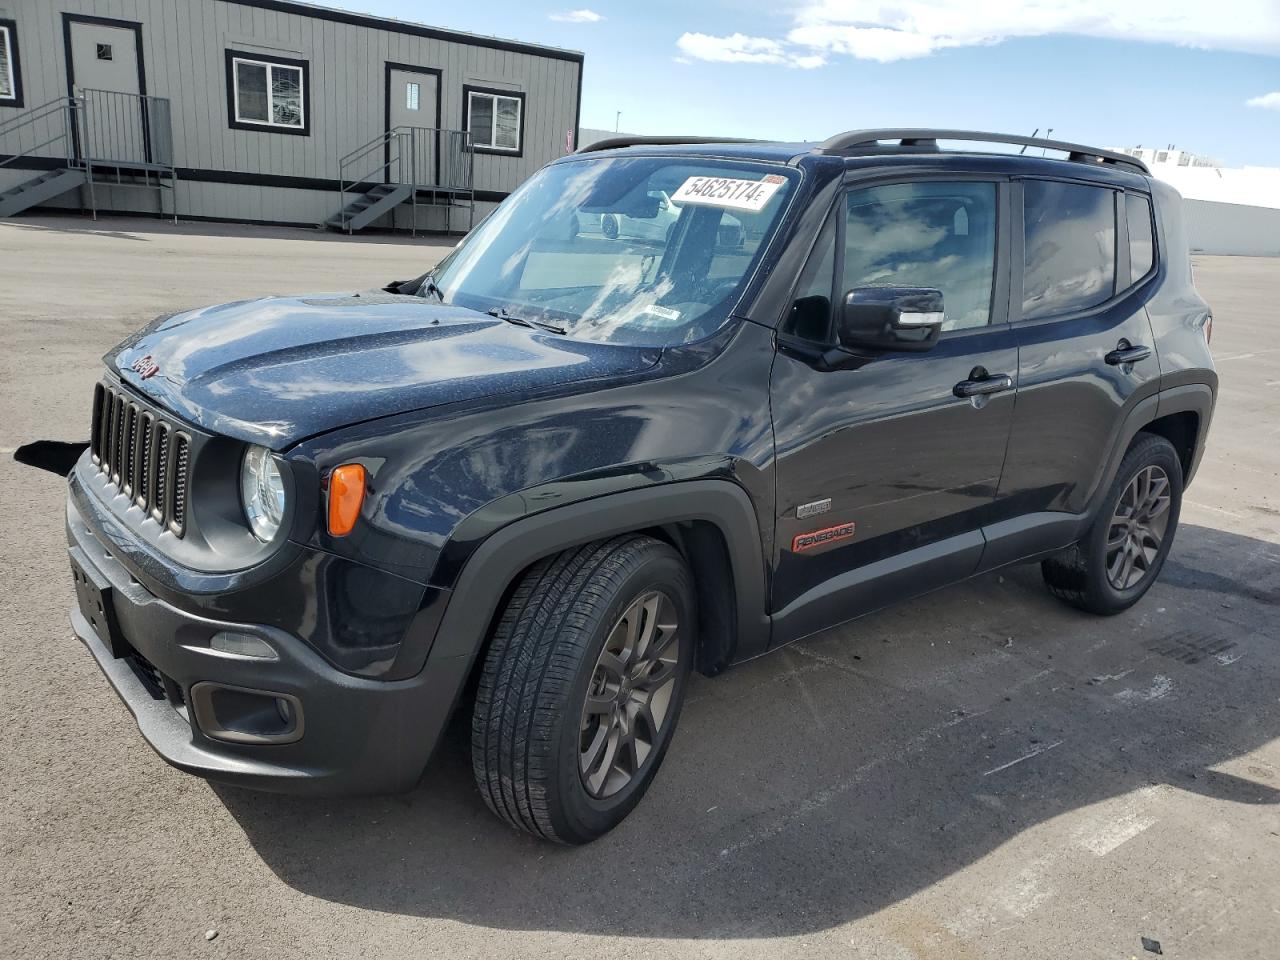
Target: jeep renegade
[(567, 467)]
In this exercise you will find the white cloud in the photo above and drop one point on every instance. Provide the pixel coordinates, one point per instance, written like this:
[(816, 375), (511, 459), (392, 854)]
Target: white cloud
[(885, 30), (739, 48), (1268, 101), (577, 16)]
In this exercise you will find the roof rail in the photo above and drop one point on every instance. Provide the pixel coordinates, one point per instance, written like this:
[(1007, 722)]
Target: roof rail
[(624, 140), (923, 139)]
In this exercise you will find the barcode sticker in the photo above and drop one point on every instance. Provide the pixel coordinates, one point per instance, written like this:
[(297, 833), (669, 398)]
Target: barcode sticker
[(749, 195)]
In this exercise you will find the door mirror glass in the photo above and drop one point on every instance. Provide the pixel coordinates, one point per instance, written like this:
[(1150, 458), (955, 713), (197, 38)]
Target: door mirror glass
[(890, 318)]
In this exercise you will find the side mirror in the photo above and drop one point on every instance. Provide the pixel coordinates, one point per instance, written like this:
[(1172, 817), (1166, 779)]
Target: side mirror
[(890, 318)]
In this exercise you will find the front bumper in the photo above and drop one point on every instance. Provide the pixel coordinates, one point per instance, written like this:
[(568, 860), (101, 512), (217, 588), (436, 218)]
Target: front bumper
[(358, 735)]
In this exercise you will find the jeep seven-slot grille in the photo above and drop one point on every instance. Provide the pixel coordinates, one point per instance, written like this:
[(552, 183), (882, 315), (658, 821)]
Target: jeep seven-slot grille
[(144, 455)]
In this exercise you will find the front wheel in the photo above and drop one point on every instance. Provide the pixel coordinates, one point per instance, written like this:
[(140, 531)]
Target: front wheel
[(1126, 546), (582, 686)]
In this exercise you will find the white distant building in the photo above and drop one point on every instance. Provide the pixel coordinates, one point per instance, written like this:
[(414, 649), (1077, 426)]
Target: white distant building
[(1233, 210)]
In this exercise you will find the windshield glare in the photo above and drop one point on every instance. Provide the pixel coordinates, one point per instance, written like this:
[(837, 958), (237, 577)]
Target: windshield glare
[(646, 251)]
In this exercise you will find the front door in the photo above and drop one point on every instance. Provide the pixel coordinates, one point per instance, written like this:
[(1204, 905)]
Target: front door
[(884, 475), (106, 73), (413, 101)]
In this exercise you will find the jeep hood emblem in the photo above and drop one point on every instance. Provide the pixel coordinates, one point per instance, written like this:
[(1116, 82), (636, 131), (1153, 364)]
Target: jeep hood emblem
[(145, 367)]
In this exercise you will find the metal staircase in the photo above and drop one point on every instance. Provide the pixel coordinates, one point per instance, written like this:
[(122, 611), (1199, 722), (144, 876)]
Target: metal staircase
[(368, 207), (418, 166), (96, 139), (40, 189)]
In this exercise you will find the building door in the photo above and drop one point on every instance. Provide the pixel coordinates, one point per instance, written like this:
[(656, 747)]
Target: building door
[(105, 73), (413, 101)]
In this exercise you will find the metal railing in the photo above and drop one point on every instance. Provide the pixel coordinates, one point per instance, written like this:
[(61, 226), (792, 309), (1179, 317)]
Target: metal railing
[(428, 159), (57, 126), (129, 133), (100, 131)]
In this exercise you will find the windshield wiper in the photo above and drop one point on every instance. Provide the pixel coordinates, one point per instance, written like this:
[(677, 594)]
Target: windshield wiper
[(501, 314)]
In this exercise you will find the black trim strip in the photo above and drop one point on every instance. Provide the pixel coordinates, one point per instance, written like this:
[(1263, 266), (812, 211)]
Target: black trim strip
[(410, 29), (231, 56), (238, 178), (15, 62), (469, 89)]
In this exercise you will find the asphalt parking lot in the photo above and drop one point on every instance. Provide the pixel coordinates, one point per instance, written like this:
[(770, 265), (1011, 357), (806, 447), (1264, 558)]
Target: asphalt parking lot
[(982, 773)]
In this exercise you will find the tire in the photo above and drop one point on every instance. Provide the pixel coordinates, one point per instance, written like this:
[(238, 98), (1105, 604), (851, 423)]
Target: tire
[(532, 736), (610, 226), (1097, 575)]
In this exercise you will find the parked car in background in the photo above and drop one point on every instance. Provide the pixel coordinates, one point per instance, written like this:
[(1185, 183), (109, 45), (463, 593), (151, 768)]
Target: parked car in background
[(551, 478), (659, 225)]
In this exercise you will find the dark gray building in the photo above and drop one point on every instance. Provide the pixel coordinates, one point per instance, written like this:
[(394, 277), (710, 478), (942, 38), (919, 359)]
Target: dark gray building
[(271, 111)]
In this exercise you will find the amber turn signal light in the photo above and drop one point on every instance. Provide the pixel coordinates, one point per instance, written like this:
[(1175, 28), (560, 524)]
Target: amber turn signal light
[(346, 496)]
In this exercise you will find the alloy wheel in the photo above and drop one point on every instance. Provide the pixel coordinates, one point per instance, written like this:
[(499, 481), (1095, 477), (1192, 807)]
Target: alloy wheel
[(630, 694), (1138, 528)]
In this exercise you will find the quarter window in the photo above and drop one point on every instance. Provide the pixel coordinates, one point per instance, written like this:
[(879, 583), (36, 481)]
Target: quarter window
[(1069, 248), (495, 120), (10, 80), (267, 94), (926, 234), (1142, 251)]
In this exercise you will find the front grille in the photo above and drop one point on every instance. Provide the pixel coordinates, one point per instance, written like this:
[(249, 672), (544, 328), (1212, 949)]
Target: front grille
[(147, 457)]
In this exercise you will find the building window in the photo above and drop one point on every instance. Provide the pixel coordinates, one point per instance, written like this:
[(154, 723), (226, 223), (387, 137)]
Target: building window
[(10, 74), (412, 96), (495, 120), (104, 51), (267, 93)]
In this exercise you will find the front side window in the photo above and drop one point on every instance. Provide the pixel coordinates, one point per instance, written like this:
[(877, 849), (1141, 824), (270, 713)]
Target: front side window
[(1142, 248), (1069, 247), (10, 80), (495, 120), (646, 251), (268, 94), (932, 234)]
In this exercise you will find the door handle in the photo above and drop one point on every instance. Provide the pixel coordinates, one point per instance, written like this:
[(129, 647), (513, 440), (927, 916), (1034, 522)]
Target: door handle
[(1126, 354), (981, 386)]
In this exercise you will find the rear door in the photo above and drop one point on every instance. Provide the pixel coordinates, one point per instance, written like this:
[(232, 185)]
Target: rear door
[(884, 475), (1086, 348)]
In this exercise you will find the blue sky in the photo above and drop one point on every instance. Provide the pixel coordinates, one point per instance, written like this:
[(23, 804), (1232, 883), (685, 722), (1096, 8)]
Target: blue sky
[(1105, 72)]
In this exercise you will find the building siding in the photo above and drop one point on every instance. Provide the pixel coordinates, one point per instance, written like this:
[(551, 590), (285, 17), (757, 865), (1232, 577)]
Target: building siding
[(183, 55)]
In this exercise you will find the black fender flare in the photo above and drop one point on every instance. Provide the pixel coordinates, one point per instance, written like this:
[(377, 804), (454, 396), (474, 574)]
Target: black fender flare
[(1195, 398), (500, 558)]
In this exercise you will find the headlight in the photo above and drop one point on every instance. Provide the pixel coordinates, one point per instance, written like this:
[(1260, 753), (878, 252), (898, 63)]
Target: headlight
[(261, 493)]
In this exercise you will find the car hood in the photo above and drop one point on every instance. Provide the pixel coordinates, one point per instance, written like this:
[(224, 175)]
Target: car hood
[(277, 370)]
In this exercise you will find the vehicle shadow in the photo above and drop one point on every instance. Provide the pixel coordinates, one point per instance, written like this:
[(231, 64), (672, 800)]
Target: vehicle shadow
[(839, 776)]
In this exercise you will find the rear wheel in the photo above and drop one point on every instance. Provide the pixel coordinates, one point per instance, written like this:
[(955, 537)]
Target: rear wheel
[(582, 686), (1126, 546)]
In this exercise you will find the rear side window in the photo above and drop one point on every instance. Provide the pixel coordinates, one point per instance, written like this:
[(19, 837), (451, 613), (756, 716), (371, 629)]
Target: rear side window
[(1142, 250), (1069, 247)]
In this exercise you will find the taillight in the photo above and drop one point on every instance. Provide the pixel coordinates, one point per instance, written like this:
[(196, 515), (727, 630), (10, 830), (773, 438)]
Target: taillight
[(346, 496)]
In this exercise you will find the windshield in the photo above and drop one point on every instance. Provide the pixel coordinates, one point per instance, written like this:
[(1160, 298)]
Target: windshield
[(649, 251)]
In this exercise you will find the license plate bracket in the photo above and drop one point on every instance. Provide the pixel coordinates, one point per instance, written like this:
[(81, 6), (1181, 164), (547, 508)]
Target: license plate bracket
[(96, 598)]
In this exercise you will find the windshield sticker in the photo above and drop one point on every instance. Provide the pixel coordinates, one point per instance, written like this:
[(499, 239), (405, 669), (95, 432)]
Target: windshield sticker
[(749, 195)]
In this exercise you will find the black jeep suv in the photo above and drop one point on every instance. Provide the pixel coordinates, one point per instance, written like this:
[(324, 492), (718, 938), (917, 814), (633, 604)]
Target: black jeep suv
[(581, 458)]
